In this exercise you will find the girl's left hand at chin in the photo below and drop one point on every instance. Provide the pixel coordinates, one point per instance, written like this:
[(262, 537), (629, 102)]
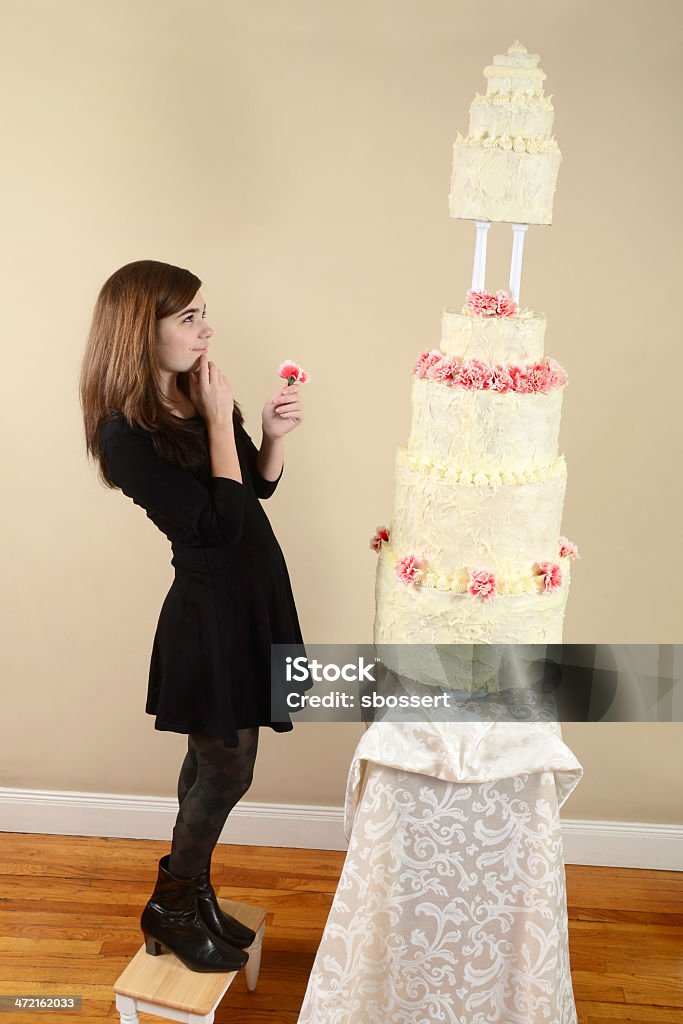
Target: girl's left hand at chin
[(282, 412)]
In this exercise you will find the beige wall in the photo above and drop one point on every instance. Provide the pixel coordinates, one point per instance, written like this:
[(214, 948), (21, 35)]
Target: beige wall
[(296, 156)]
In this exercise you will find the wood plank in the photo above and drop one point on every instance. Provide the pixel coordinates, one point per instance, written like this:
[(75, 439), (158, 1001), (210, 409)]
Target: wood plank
[(70, 910), (590, 1012)]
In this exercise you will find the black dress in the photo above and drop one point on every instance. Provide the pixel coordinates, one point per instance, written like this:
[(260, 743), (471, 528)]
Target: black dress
[(210, 667)]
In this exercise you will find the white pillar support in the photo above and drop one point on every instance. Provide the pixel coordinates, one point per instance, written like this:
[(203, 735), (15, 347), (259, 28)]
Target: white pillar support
[(479, 270), (518, 231)]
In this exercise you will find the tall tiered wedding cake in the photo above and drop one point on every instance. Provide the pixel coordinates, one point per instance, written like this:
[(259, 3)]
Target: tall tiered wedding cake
[(473, 553), (438, 912)]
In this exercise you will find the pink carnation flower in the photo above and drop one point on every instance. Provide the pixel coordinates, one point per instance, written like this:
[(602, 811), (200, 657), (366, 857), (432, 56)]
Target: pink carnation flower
[(546, 375), (482, 584), (506, 305), (567, 549), (481, 303), (520, 380), (417, 365), (488, 304), (382, 534), (556, 373), (441, 370), (473, 374), (552, 574), (292, 371), (456, 373), (408, 569), (425, 360), (500, 379), (538, 377)]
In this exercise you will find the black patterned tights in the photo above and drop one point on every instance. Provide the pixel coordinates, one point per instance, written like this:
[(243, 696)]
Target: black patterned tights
[(212, 780)]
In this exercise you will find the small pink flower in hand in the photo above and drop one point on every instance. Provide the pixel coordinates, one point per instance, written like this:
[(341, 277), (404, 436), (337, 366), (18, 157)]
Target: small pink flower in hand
[(292, 372), (283, 412)]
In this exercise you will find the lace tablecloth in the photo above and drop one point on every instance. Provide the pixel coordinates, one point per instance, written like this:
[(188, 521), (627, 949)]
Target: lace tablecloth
[(451, 905)]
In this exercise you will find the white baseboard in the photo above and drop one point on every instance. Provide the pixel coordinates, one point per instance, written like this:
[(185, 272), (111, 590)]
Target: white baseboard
[(623, 844), (152, 817), (605, 843)]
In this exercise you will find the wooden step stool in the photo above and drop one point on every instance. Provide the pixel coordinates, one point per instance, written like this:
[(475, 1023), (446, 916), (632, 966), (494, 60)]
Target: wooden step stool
[(165, 986)]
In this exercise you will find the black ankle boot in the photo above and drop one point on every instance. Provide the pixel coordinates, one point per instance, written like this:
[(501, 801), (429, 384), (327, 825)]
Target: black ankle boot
[(225, 926), (171, 921)]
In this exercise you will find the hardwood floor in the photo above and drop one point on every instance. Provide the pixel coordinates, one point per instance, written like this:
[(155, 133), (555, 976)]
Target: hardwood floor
[(70, 908)]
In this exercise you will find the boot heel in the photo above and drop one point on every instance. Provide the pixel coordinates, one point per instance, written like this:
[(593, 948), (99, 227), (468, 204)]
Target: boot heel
[(153, 946)]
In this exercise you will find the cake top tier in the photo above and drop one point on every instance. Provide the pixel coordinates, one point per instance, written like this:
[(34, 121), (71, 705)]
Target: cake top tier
[(516, 57), (505, 168), (517, 63)]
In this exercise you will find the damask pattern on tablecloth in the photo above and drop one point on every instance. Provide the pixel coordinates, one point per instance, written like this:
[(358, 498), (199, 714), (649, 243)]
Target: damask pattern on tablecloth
[(451, 907)]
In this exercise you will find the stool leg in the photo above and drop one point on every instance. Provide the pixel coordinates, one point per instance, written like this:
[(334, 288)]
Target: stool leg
[(128, 1009), (251, 968)]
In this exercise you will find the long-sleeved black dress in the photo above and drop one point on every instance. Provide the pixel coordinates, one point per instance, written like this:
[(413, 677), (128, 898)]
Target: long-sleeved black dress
[(210, 667)]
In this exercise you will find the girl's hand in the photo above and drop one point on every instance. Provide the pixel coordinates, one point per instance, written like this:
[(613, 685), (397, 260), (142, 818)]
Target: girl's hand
[(211, 392), (282, 412)]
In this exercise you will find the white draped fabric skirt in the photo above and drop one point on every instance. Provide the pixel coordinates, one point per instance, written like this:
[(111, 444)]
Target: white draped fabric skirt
[(451, 905)]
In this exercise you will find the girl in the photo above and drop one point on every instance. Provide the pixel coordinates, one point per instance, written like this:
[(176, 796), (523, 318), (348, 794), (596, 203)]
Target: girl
[(162, 423)]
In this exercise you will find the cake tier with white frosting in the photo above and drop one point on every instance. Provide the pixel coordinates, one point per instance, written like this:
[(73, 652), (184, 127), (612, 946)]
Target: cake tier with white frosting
[(513, 114), (496, 184), (509, 78), (493, 339), (505, 168), (484, 430), (423, 615), (505, 527)]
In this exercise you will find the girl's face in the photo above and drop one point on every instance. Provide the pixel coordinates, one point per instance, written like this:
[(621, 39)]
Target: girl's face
[(183, 337)]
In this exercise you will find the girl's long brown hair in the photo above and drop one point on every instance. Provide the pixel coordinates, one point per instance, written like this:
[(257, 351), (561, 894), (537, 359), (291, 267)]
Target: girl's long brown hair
[(120, 369)]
